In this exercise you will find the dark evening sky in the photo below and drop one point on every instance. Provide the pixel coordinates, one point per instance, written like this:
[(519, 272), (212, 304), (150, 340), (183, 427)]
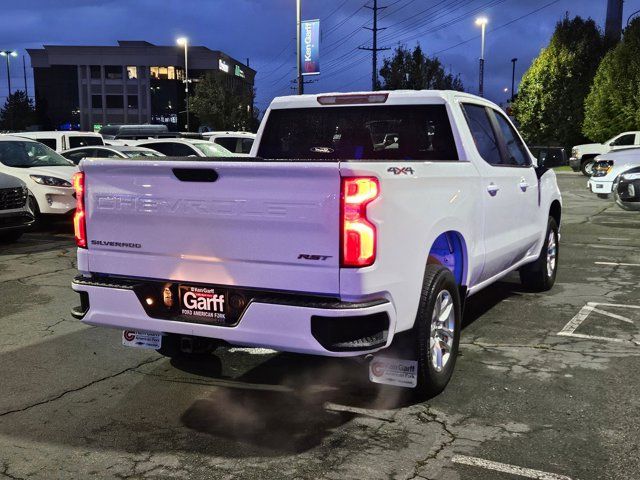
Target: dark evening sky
[(263, 31)]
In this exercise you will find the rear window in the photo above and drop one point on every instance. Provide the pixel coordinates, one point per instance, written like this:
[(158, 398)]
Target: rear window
[(229, 143), (404, 132), (84, 141)]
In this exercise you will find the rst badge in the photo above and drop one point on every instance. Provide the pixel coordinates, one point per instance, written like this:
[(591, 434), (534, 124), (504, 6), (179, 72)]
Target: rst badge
[(203, 304)]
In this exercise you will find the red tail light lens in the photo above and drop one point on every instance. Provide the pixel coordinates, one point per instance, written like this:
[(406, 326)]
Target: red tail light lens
[(358, 234), (79, 219)]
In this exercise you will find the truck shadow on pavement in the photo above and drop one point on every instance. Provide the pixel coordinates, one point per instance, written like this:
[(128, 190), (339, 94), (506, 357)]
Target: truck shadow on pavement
[(285, 403)]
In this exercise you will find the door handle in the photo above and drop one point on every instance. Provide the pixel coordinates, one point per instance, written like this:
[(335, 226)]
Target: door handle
[(493, 189), (523, 184)]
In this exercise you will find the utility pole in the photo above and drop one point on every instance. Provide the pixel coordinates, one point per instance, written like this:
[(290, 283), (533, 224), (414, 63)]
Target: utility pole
[(513, 79), (374, 50), (24, 71), (613, 25), (298, 52)]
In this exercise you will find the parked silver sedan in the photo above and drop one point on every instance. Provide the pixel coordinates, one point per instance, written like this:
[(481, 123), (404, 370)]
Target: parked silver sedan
[(109, 151)]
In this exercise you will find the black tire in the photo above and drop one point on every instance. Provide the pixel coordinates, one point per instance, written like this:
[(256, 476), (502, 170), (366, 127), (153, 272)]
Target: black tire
[(431, 380), (586, 166), (11, 237), (540, 276)]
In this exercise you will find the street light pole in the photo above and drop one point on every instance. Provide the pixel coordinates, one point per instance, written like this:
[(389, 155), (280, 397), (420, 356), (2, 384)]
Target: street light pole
[(185, 42), (513, 78), (7, 54), (298, 52), (482, 22)]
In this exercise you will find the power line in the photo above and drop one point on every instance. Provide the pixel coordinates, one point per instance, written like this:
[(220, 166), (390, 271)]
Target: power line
[(498, 27)]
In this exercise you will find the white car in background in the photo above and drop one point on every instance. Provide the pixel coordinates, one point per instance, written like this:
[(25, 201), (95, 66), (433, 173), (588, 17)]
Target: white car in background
[(47, 174), (76, 155), (61, 141), (608, 168), (182, 147), (239, 143)]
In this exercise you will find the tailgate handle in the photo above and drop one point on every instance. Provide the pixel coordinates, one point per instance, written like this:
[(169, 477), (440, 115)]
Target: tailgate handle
[(195, 174)]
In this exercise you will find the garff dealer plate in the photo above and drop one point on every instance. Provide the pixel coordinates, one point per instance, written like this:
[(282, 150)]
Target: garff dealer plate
[(203, 304)]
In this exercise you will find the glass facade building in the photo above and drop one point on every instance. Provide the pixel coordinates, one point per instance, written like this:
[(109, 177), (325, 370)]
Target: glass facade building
[(134, 82)]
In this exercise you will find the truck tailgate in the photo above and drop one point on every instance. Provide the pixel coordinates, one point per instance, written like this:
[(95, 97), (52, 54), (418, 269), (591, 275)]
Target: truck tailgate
[(271, 225)]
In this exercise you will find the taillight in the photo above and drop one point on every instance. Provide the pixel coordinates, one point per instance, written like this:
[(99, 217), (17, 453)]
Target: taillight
[(358, 234), (79, 218)]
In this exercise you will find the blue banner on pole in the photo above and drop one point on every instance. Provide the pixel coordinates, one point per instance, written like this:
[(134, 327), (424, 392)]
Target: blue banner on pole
[(310, 47)]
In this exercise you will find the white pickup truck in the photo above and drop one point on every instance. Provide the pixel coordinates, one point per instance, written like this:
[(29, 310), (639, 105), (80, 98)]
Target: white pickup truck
[(360, 226), (583, 157)]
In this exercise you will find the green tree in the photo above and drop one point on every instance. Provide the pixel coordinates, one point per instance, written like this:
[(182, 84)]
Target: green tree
[(220, 109), (550, 103), (613, 104), (18, 112), (413, 70)]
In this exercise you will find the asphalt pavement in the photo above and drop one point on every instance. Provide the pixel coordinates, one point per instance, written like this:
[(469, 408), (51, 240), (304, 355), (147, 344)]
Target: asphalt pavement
[(546, 385)]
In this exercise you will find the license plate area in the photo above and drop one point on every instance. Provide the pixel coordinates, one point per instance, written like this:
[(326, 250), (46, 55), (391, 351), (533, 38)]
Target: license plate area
[(191, 303), (204, 304)]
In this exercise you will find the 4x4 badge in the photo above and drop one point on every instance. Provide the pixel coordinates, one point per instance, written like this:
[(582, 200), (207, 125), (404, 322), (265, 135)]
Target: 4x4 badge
[(401, 170)]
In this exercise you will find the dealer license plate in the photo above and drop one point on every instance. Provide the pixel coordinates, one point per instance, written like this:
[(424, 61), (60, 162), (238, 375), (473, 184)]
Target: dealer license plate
[(203, 304)]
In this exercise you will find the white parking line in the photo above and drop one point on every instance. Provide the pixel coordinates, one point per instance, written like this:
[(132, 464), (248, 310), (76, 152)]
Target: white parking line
[(506, 468), (569, 329), (613, 264)]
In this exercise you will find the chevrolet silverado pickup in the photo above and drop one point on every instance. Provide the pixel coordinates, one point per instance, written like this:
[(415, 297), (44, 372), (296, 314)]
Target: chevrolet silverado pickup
[(358, 227)]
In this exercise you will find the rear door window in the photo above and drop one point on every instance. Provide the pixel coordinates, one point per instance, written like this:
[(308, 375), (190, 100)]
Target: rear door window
[(164, 148), (518, 155), (84, 141), (483, 134), (228, 143), (399, 132)]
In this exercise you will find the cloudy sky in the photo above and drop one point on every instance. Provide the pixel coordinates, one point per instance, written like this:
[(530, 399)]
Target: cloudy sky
[(263, 31)]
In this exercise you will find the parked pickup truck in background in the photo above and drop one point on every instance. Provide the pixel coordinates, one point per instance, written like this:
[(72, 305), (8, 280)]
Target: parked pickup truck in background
[(360, 226), (583, 156)]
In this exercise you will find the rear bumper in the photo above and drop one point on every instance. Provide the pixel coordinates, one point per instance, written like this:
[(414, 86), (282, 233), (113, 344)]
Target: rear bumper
[(337, 330)]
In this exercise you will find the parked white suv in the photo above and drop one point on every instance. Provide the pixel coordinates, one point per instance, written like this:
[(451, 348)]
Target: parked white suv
[(61, 141), (336, 241), (583, 156), (46, 173)]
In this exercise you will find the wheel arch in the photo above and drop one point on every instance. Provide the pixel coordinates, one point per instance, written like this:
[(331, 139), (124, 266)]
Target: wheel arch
[(449, 249), (555, 211)]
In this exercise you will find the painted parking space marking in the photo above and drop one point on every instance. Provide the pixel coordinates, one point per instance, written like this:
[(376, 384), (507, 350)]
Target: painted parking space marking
[(614, 264), (569, 330), (506, 468)]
